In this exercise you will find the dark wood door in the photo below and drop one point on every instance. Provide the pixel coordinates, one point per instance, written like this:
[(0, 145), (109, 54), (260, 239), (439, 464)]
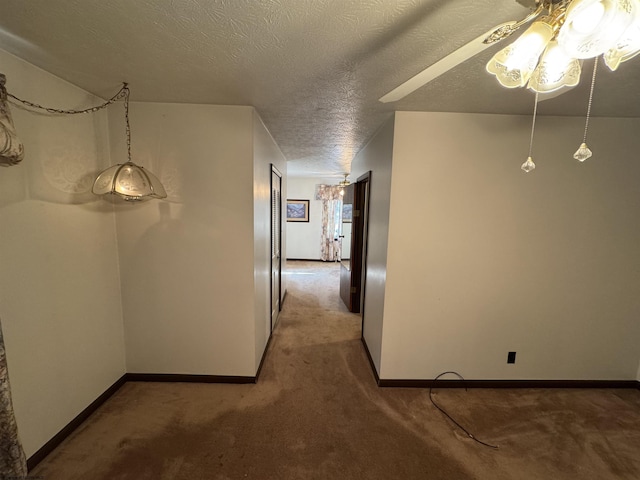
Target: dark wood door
[(354, 228)]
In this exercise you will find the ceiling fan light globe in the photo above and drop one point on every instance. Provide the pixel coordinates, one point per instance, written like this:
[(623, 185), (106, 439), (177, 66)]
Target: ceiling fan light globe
[(589, 17), (556, 70), (514, 64), (628, 45), (592, 27)]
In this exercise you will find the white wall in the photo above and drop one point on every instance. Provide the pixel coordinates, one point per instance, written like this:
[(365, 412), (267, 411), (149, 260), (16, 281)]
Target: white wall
[(303, 238), (265, 153), (59, 285), (376, 157), (484, 259), (187, 263)]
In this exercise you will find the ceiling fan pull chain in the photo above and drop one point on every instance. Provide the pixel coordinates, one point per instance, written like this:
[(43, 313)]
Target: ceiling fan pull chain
[(528, 165), (583, 151)]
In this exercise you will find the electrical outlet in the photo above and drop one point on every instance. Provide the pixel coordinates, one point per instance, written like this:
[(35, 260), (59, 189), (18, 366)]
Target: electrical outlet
[(511, 357)]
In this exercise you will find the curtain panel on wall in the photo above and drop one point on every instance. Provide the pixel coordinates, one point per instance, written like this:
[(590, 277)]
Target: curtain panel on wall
[(11, 149), (13, 463), (331, 197)]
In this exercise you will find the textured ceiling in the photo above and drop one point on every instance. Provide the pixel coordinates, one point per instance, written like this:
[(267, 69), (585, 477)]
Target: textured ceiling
[(314, 69)]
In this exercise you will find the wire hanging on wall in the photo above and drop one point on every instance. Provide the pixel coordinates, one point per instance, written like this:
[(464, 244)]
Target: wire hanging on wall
[(128, 181)]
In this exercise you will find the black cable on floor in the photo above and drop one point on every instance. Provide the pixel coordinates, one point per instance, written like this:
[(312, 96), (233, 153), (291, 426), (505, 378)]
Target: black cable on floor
[(469, 434)]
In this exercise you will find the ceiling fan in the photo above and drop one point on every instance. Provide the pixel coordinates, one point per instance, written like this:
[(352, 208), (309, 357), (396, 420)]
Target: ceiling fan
[(583, 28), (464, 53)]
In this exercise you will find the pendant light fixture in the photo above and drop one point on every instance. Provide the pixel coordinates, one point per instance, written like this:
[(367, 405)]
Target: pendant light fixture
[(128, 181)]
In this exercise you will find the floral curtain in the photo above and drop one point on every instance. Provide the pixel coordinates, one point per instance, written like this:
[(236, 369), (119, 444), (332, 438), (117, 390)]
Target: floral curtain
[(331, 197), (13, 463), (11, 149)]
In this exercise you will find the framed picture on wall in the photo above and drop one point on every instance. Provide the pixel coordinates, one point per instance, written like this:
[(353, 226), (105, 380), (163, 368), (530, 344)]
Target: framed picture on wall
[(347, 213), (297, 210)]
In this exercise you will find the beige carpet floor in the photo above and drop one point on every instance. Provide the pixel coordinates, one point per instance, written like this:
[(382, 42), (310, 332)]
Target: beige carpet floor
[(316, 413)]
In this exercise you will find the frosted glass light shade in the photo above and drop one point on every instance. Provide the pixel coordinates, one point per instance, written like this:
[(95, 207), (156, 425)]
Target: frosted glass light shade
[(555, 70), (129, 181), (514, 64), (592, 27), (628, 45)]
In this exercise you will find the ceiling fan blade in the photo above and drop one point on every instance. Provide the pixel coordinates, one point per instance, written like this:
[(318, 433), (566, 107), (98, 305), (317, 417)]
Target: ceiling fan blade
[(484, 41), (443, 65)]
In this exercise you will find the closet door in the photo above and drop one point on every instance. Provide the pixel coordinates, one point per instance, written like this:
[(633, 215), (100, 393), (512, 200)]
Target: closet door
[(276, 244)]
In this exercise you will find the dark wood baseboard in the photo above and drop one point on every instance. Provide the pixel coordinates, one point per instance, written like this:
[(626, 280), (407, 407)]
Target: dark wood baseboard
[(373, 365), (58, 438), (186, 378), (509, 383), (310, 260)]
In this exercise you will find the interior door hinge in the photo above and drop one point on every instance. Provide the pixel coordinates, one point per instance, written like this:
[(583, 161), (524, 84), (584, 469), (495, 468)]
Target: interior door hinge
[(354, 289), (356, 213)]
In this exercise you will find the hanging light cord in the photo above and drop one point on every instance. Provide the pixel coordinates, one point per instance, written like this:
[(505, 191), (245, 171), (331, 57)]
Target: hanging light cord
[(122, 93), (125, 89), (469, 434), (593, 82), (533, 125)]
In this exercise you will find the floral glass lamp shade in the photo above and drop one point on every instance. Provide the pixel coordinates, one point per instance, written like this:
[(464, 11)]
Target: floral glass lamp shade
[(129, 181)]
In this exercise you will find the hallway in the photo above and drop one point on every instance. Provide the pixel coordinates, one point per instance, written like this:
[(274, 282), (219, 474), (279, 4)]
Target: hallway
[(316, 413)]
